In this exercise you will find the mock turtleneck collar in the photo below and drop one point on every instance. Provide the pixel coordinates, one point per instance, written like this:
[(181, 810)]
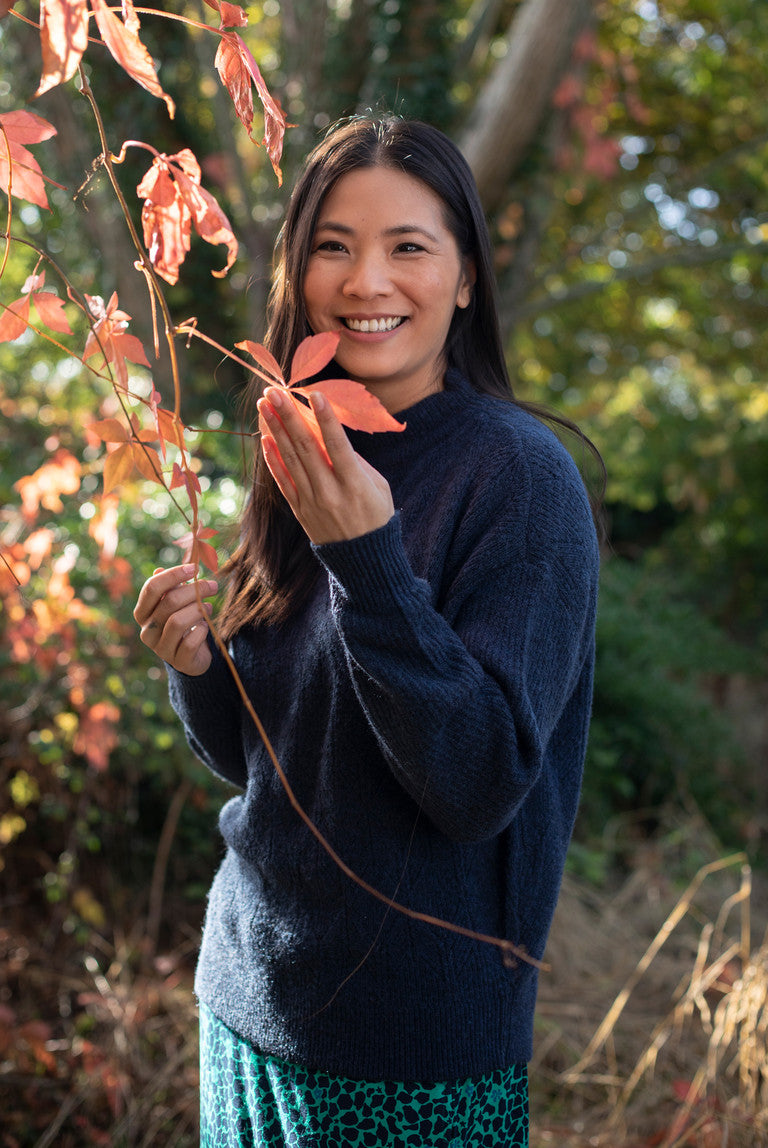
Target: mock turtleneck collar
[(426, 421)]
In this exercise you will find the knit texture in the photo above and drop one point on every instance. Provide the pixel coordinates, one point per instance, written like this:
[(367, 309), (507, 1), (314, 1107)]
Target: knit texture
[(430, 708)]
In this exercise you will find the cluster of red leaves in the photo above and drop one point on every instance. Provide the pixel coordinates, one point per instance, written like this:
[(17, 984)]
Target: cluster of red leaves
[(20, 173), (44, 630), (589, 146), (64, 39), (174, 201), (353, 405)]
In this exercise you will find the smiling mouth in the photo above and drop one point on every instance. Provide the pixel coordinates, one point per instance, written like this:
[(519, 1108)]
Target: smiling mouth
[(371, 326)]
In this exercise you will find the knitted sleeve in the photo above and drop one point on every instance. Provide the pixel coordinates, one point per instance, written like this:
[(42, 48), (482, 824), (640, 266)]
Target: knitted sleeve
[(464, 701), (210, 709)]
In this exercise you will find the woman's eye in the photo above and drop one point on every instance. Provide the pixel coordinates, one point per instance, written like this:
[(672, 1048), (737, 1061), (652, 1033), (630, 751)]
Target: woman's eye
[(332, 245), (407, 248)]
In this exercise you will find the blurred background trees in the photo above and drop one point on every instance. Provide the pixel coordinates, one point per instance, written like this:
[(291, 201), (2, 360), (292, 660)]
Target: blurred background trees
[(621, 148)]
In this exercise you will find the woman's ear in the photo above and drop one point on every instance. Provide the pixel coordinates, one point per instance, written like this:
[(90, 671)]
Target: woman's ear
[(468, 277)]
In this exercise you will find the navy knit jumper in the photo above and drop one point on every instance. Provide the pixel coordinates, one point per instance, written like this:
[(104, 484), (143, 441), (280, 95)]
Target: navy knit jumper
[(430, 707)]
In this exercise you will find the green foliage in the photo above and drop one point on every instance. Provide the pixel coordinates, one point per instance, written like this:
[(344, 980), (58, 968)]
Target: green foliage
[(657, 735)]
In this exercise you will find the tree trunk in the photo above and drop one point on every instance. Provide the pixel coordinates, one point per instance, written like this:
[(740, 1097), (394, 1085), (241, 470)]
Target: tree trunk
[(514, 101)]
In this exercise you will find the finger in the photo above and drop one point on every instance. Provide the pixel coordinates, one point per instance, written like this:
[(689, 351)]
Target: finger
[(156, 586), (278, 469), (166, 636), (340, 451), (160, 601), (300, 444)]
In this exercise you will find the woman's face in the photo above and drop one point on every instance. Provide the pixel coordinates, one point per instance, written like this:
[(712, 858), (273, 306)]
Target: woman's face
[(386, 273)]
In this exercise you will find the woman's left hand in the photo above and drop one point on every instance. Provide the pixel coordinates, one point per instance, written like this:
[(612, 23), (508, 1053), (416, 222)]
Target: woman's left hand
[(335, 496)]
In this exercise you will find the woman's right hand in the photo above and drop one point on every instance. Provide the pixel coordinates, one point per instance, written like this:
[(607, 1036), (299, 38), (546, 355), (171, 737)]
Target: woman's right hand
[(172, 623)]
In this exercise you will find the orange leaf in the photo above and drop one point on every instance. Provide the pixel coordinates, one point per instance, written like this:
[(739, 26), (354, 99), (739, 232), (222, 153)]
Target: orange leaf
[(197, 550), (126, 47), (170, 428), (173, 202), (118, 465), (237, 68), (14, 320), (60, 475), (109, 430), (355, 406), (118, 577), (312, 354), (97, 735), (210, 222), (22, 171), (103, 526), (63, 39), (147, 462), (263, 357), (109, 336), (50, 308)]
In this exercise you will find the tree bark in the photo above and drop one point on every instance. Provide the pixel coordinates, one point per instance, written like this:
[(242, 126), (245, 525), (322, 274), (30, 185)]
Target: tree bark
[(515, 99)]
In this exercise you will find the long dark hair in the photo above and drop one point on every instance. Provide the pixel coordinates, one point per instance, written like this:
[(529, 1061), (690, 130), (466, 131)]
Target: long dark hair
[(273, 570)]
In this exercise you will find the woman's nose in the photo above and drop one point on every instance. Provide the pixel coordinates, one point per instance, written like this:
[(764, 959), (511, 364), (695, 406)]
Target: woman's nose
[(366, 278)]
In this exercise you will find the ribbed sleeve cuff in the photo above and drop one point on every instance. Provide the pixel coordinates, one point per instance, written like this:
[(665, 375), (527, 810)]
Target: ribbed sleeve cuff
[(373, 570)]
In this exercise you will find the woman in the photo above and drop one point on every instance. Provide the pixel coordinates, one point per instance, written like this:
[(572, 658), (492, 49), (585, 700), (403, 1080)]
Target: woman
[(412, 615)]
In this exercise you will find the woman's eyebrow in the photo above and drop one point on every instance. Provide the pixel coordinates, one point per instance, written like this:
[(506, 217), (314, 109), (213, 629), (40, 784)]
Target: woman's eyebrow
[(400, 229)]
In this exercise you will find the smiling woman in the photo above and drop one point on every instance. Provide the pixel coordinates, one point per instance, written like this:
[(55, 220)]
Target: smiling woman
[(386, 272), (413, 617)]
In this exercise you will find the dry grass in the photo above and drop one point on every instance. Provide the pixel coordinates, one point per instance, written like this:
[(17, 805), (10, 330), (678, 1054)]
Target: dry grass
[(655, 1042), (652, 1027)]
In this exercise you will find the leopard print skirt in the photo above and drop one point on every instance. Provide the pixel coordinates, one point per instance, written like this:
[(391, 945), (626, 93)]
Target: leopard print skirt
[(252, 1101)]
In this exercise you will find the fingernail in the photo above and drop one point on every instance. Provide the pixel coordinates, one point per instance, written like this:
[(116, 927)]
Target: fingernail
[(188, 569), (318, 401), (276, 397)]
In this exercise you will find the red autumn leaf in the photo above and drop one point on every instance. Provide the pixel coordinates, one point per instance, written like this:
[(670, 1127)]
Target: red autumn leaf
[(263, 357), (97, 735), (14, 320), (60, 475), (354, 406), (237, 69), (109, 336), (170, 428), (184, 476), (123, 42), (117, 576), (174, 201), (49, 307), (232, 16), (63, 39), (14, 571), (22, 172), (312, 354), (197, 550)]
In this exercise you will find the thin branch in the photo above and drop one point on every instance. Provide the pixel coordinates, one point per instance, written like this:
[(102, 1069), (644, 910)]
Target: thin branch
[(106, 160)]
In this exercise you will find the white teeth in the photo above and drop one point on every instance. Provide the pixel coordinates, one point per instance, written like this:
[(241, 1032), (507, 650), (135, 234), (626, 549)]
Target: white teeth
[(370, 326)]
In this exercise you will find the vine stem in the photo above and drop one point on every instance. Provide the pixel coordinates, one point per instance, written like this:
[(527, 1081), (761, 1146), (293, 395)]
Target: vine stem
[(148, 269), (7, 143), (509, 950)]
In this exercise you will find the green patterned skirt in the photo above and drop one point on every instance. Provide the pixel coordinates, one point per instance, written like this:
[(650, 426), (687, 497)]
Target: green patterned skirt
[(252, 1101)]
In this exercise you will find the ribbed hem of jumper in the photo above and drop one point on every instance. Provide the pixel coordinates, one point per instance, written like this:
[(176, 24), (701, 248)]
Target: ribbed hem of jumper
[(373, 569)]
